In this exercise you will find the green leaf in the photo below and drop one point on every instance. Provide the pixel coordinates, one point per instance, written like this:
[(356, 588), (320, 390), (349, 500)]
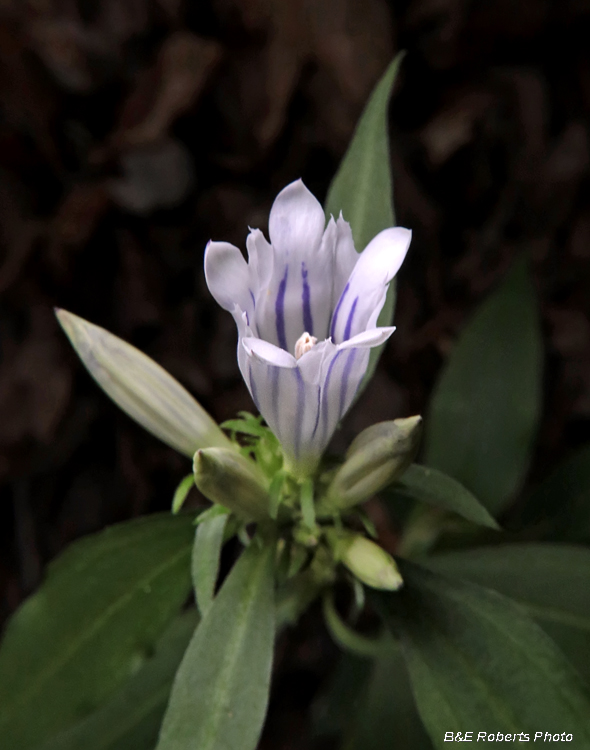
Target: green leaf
[(560, 506), (181, 492), (550, 580), (478, 663), (220, 694), (205, 564), (131, 719), (91, 625), (363, 186), (143, 389), (486, 405), (386, 717), (436, 488)]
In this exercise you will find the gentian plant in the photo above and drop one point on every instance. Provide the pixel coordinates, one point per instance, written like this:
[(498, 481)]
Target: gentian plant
[(437, 648)]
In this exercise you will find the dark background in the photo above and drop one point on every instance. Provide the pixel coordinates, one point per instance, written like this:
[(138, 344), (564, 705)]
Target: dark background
[(132, 132)]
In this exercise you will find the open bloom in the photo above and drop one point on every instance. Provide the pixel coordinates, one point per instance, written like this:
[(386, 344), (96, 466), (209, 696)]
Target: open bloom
[(306, 306)]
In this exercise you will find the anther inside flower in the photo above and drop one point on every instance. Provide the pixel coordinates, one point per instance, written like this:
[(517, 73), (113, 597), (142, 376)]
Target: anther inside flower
[(303, 344), (306, 307)]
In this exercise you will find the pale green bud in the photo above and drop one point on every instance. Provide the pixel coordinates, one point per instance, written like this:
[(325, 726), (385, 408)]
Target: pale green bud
[(142, 388), (369, 562), (376, 457), (228, 478)]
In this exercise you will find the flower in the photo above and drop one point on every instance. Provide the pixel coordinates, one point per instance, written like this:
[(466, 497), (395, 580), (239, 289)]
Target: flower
[(306, 307)]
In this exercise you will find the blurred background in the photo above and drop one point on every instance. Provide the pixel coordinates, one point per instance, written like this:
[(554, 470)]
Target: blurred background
[(133, 131)]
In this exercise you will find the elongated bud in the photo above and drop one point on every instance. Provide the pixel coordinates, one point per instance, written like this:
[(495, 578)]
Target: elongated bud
[(142, 388), (228, 478), (369, 562), (375, 458)]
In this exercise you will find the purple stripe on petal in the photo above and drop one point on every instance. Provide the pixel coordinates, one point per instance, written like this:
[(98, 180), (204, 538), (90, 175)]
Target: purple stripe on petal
[(253, 298), (318, 411), (280, 311), (325, 390), (337, 310), (349, 321), (344, 381), (305, 298)]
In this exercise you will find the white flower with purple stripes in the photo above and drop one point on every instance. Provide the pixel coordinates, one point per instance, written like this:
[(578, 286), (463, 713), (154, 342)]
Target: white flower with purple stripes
[(306, 307)]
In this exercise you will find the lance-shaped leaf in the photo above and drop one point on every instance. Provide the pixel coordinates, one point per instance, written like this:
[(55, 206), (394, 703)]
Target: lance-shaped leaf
[(143, 389), (477, 662), (486, 405), (550, 580), (436, 488), (131, 719), (220, 693), (91, 625), (205, 563), (363, 185)]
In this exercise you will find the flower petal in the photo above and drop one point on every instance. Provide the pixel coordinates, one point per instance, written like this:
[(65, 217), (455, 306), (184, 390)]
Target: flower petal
[(341, 378), (296, 221), (298, 296), (268, 353), (227, 276), (260, 260), (364, 293), (345, 258), (368, 339)]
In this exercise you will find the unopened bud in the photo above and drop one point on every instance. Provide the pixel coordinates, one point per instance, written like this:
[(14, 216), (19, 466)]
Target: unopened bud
[(142, 388), (228, 478), (379, 455), (369, 562)]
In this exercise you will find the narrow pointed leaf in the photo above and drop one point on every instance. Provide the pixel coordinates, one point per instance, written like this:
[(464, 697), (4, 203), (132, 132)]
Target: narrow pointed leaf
[(363, 185), (486, 405), (143, 389), (220, 693), (436, 488), (550, 580), (181, 493), (131, 719), (91, 625), (477, 662), (205, 563)]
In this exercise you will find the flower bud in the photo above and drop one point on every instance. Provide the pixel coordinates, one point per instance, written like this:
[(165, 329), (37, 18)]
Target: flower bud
[(142, 388), (369, 562), (376, 457), (226, 477)]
